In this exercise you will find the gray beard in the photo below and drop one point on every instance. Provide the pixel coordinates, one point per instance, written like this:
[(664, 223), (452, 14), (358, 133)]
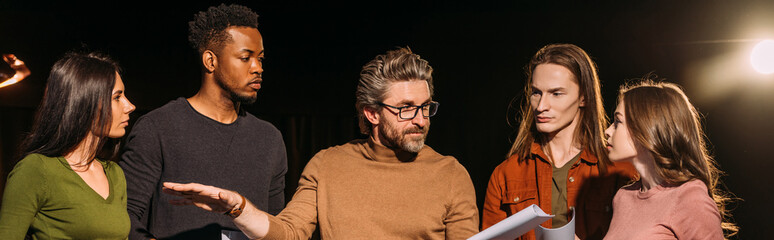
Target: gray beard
[(393, 138)]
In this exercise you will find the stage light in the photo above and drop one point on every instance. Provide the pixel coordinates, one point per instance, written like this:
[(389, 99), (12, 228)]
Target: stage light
[(762, 57)]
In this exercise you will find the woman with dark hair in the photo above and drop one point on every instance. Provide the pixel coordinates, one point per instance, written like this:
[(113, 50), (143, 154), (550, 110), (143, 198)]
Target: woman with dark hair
[(65, 187), (658, 130), (558, 159)]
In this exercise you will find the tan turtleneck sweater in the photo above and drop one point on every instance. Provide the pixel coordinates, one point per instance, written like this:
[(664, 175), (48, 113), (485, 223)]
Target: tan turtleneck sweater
[(362, 190)]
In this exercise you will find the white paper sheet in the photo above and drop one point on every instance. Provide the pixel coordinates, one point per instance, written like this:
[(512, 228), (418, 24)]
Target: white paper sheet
[(232, 235), (566, 232), (516, 225)]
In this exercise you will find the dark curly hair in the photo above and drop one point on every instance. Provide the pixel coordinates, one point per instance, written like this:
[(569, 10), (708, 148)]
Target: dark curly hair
[(208, 29)]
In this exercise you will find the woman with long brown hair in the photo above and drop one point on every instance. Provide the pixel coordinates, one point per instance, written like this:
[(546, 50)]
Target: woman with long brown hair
[(65, 187), (658, 130)]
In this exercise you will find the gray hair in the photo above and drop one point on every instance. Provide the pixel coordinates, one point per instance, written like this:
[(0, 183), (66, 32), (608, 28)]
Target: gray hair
[(378, 75)]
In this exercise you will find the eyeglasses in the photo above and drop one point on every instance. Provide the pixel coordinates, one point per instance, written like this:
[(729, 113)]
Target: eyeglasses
[(409, 112)]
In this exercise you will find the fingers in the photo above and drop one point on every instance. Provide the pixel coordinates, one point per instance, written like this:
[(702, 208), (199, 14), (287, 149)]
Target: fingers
[(186, 202), (192, 187), (172, 192), (12, 60), (205, 207), (192, 191), (9, 58), (206, 197)]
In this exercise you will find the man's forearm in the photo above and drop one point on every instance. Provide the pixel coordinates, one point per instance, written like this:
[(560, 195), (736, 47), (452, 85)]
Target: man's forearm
[(253, 222)]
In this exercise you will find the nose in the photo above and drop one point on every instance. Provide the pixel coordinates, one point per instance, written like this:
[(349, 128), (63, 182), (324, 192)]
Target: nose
[(542, 104), (419, 120), (256, 67), (128, 107), (609, 131)]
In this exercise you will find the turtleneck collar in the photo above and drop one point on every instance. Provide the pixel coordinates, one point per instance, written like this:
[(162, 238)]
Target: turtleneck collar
[(380, 153)]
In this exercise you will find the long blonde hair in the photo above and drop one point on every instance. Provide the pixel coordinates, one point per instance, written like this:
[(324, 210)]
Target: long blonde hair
[(590, 131), (662, 120)]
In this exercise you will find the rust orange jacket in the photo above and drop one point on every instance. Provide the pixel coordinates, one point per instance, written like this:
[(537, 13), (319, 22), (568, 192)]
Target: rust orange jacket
[(516, 185)]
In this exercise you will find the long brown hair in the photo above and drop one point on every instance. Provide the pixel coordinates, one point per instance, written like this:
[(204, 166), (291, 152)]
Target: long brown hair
[(76, 102), (661, 119), (590, 130)]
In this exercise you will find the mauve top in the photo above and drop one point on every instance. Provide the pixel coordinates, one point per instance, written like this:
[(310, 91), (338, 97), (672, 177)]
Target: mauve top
[(665, 212)]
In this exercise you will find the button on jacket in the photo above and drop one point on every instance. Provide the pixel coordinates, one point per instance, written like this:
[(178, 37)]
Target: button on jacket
[(515, 185)]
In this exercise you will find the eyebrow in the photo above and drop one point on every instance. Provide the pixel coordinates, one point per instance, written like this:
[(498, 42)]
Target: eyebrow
[(251, 51), (407, 102), (618, 114), (118, 92), (550, 89)]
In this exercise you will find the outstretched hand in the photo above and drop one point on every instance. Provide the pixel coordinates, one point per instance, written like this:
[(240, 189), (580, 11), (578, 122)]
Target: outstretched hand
[(209, 198), (17, 65), (13, 61), (253, 222)]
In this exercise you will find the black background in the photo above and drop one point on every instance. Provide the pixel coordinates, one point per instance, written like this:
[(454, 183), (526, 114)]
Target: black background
[(314, 51)]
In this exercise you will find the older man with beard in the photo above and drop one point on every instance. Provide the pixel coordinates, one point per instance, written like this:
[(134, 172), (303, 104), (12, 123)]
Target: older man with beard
[(389, 186)]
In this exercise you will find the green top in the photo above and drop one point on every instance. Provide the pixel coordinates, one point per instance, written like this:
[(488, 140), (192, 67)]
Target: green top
[(46, 199), (559, 193)]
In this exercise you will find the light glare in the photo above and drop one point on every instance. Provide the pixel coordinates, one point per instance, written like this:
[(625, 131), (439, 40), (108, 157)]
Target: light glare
[(762, 57)]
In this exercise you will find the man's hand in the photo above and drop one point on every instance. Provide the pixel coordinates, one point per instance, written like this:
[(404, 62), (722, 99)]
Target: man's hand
[(253, 222), (206, 197), (18, 65), (13, 61)]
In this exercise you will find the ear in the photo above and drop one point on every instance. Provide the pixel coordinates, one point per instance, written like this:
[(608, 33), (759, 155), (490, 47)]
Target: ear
[(209, 60), (371, 115), (582, 102)]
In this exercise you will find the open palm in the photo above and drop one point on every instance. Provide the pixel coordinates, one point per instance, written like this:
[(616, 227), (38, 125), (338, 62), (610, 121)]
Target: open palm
[(206, 197)]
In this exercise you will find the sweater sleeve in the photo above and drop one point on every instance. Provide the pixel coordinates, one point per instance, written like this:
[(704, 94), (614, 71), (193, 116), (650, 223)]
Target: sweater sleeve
[(24, 195), (277, 186), (462, 218), (299, 219), (696, 216), (492, 212), (142, 165)]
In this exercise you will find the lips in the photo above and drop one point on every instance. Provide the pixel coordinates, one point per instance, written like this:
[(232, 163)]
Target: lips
[(414, 130), (255, 84), (542, 119)]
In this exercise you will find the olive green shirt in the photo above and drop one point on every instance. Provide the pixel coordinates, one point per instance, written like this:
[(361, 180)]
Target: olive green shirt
[(46, 199), (559, 193)]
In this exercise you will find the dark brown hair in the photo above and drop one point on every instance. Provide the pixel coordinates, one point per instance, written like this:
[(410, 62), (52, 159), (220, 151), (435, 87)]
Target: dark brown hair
[(76, 102)]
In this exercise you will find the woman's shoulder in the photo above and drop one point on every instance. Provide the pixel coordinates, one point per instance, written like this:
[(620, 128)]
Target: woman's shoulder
[(36, 160), (691, 196), (35, 164), (693, 190), (695, 214)]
